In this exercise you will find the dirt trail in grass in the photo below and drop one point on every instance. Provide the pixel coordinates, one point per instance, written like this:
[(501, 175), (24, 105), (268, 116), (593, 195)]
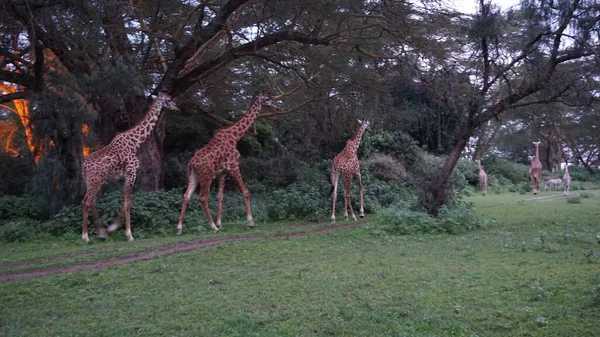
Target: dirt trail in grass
[(540, 198), (147, 254)]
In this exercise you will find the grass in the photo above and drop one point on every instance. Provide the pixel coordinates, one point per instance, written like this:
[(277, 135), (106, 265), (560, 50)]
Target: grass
[(531, 275)]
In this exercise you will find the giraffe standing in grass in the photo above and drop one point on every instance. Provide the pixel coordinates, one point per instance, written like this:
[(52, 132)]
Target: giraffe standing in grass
[(566, 179), (219, 157), (536, 169), (119, 160), (482, 178), (346, 165)]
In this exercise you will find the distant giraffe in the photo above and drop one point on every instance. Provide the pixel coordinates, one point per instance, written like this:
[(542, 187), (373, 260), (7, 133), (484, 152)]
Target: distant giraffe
[(566, 179), (536, 169), (219, 157), (482, 178), (119, 160), (346, 164)]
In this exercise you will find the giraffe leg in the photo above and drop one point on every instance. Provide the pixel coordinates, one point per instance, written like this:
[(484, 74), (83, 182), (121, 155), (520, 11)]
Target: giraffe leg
[(89, 200), (204, 190), (238, 178), (220, 198), (102, 234), (362, 193), (347, 202), (192, 183), (117, 221), (334, 182), (127, 195)]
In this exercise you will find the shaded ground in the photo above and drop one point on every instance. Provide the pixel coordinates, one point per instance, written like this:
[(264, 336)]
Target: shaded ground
[(144, 255)]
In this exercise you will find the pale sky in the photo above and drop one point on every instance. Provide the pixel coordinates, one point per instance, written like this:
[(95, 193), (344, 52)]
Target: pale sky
[(470, 6)]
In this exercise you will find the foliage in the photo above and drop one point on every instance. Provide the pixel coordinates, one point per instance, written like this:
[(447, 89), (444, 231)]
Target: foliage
[(396, 144), (401, 220), (14, 207), (20, 230), (386, 168), (514, 172), (151, 212), (15, 173), (424, 175)]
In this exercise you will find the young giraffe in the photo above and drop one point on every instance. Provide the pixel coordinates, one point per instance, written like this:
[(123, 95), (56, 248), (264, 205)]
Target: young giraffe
[(219, 157), (119, 160), (346, 164), (566, 179), (482, 178), (536, 169)]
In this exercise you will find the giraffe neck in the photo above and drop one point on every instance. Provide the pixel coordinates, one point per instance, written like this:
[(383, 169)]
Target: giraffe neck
[(354, 142), (142, 129), (238, 130), (537, 152)]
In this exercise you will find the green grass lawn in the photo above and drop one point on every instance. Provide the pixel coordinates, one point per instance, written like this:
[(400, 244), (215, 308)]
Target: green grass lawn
[(534, 273)]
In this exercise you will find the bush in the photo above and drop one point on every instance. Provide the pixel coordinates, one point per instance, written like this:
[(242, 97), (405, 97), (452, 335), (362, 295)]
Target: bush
[(460, 218), (424, 175), (20, 230), (400, 220), (14, 207), (156, 212), (385, 167), (586, 195), (513, 172)]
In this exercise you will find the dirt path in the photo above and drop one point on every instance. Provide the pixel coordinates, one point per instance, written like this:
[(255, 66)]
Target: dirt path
[(147, 254)]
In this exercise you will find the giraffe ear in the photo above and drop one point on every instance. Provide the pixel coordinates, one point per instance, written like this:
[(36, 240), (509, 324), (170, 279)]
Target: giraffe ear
[(359, 121), (153, 96)]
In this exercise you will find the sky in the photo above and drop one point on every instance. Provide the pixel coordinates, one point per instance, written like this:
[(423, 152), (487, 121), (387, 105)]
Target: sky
[(470, 6)]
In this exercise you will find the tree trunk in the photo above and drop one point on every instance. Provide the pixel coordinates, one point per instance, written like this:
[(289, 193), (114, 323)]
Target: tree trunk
[(440, 186)]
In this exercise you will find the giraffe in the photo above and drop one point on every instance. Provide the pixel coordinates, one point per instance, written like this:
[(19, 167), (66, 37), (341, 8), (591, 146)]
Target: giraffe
[(566, 179), (219, 157), (119, 160), (346, 165), (536, 169), (482, 178)]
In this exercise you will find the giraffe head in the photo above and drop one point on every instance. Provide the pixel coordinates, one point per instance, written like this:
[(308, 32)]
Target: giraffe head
[(366, 125), (166, 101), (267, 100), (537, 143)]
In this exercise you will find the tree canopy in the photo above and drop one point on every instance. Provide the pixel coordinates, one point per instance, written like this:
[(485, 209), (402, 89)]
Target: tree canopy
[(76, 72)]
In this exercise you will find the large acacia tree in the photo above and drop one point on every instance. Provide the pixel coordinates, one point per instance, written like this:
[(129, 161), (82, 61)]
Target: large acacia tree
[(542, 53), (95, 62)]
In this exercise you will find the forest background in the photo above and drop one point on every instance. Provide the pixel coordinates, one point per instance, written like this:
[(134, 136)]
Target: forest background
[(441, 88)]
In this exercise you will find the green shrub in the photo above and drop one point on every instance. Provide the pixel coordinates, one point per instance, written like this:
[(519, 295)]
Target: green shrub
[(460, 218), (386, 168), (14, 207), (586, 195), (573, 199), (20, 230), (400, 220), (514, 172), (425, 174)]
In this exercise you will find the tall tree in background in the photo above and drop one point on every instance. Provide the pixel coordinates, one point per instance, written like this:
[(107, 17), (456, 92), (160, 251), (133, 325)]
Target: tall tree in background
[(545, 52)]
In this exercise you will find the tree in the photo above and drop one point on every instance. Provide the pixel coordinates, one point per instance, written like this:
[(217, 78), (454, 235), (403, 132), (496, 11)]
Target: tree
[(94, 63), (531, 62)]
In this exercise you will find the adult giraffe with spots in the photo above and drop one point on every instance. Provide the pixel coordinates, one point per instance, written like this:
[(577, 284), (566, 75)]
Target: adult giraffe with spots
[(536, 169), (119, 160), (346, 164), (219, 157), (482, 178)]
